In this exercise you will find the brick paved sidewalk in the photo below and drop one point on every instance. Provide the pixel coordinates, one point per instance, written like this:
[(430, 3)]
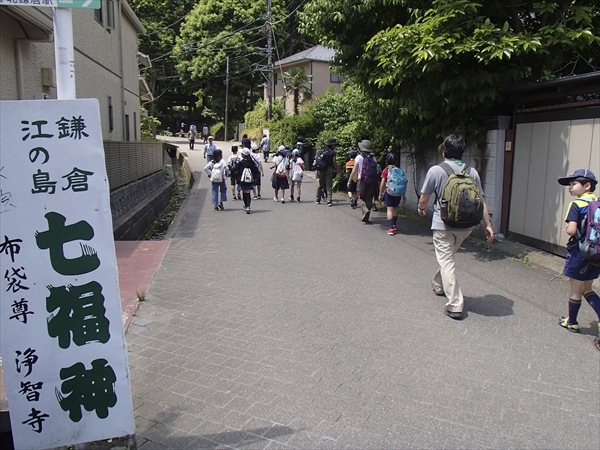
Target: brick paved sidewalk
[(300, 327)]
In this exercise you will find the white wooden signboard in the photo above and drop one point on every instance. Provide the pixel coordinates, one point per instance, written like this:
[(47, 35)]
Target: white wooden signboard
[(63, 346)]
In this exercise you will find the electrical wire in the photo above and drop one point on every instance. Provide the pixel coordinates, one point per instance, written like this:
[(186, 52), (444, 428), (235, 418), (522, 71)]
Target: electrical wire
[(169, 26)]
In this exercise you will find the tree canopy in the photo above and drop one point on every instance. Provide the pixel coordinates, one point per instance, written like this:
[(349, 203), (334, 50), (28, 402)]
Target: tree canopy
[(434, 67)]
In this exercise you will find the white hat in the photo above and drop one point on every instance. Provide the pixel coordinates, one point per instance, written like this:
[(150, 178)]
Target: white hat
[(281, 149), (210, 137), (254, 147), (245, 151)]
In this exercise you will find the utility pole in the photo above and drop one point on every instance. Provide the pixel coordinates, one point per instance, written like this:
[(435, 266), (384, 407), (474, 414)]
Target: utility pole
[(269, 62), (226, 97)]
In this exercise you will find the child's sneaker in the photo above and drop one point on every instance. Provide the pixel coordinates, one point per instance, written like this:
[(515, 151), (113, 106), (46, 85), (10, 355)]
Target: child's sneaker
[(298, 199), (291, 199), (395, 228), (239, 197), (572, 327), (275, 199), (391, 232)]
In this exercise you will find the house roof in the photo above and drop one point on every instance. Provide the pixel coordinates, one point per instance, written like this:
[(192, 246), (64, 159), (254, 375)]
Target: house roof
[(316, 53)]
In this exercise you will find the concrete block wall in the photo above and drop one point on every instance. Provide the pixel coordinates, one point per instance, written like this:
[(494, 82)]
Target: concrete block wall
[(126, 197)]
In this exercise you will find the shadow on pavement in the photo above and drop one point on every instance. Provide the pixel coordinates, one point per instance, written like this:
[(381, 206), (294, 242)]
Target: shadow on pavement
[(490, 305)]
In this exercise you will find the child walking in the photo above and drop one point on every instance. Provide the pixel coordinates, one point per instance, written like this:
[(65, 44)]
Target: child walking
[(217, 170), (233, 160), (297, 173), (581, 272), (352, 179), (392, 189)]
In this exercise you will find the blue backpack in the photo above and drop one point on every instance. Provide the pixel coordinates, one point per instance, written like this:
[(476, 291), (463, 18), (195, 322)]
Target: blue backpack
[(589, 234), (396, 182)]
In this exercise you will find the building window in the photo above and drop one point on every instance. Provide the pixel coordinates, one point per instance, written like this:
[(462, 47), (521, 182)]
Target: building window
[(335, 78), (127, 132), (110, 14), (111, 121), (99, 14)]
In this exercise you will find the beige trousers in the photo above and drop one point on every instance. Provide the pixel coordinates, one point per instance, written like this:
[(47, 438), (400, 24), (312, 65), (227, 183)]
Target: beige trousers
[(446, 244)]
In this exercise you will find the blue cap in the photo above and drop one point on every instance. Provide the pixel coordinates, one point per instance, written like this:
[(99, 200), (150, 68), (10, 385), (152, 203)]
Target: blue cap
[(579, 173)]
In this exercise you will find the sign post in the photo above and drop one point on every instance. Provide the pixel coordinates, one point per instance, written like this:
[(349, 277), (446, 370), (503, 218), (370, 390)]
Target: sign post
[(61, 329)]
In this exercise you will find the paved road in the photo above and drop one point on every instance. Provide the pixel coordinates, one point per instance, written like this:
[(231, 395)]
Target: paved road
[(300, 327)]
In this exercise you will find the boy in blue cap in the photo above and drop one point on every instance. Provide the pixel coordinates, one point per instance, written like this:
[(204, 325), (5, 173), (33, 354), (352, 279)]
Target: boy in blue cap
[(581, 272)]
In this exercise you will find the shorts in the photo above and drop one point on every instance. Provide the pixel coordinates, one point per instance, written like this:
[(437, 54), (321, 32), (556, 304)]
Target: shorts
[(392, 201), (257, 181), (281, 183), (578, 268), (352, 186)]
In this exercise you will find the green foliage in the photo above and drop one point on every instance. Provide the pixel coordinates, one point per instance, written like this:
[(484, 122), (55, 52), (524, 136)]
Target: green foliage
[(146, 123), (429, 68), (295, 82), (287, 130), (255, 118)]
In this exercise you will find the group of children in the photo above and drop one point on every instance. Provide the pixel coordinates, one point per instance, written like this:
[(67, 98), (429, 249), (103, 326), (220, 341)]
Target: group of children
[(245, 170)]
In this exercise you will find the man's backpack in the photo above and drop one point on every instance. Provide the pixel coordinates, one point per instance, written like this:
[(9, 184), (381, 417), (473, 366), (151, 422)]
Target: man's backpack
[(461, 205), (368, 172), (322, 160), (217, 174), (396, 182), (589, 241)]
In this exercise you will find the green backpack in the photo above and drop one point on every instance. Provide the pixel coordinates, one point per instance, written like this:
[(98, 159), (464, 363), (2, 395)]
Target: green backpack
[(461, 205)]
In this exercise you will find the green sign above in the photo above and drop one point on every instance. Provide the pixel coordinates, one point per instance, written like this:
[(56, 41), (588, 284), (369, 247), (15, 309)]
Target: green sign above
[(89, 4)]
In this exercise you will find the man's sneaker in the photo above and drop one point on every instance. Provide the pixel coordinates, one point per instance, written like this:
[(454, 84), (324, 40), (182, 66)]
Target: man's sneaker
[(391, 232), (436, 290), (365, 217), (259, 197), (572, 327), (275, 199), (329, 204), (456, 315), (298, 199)]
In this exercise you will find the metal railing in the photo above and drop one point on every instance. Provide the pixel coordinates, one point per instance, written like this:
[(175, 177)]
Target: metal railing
[(130, 161)]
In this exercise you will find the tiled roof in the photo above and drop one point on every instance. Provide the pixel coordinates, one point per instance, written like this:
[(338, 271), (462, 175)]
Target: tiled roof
[(316, 53)]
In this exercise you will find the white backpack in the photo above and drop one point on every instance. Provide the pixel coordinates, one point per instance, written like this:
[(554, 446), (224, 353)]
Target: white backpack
[(217, 174)]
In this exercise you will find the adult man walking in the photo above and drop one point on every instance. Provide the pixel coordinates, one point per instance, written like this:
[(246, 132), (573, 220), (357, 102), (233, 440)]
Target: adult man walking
[(326, 166), (205, 133), (209, 149), (265, 144), (447, 239)]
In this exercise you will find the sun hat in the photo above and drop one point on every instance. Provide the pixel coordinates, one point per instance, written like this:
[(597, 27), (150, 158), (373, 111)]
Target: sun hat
[(246, 151), (332, 141), (210, 137), (579, 173), (365, 146)]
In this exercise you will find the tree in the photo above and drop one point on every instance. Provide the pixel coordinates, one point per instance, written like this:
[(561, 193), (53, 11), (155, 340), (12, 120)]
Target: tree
[(295, 83), (443, 65), (162, 19)]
